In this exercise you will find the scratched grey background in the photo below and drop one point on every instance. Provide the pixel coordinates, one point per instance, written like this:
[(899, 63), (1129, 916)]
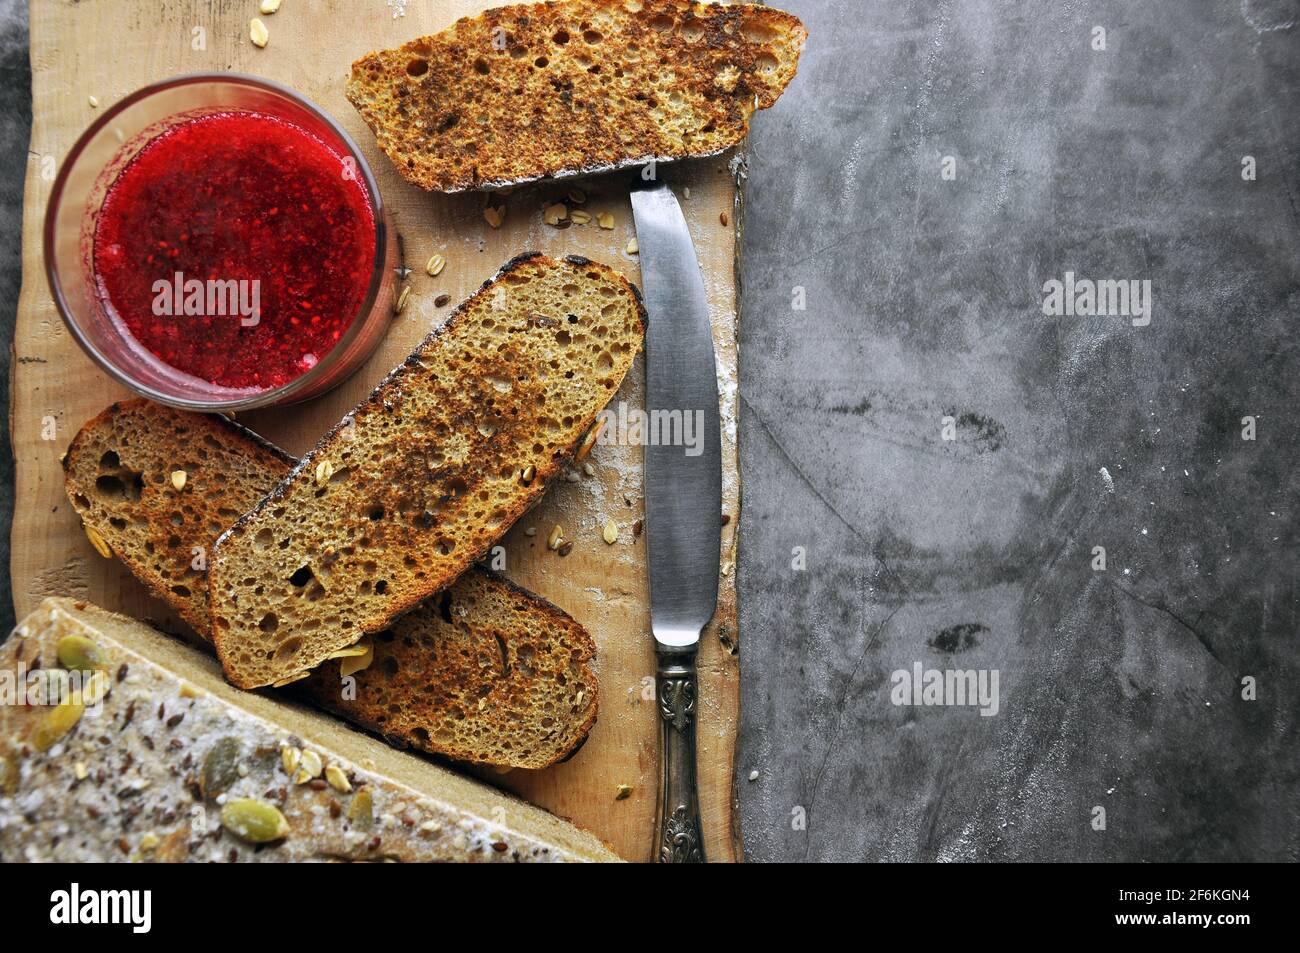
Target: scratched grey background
[(1119, 689)]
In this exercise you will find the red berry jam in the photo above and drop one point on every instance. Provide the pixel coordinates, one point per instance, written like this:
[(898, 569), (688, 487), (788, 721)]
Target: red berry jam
[(237, 247)]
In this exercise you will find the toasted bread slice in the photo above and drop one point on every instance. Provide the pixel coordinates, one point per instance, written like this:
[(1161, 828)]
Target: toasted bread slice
[(571, 87), (416, 483), (482, 638), (170, 745)]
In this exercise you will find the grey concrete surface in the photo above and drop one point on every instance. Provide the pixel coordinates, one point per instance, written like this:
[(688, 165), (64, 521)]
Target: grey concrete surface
[(1119, 689)]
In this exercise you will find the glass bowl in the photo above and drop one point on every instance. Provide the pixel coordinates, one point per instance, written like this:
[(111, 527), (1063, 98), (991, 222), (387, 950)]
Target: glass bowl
[(78, 195)]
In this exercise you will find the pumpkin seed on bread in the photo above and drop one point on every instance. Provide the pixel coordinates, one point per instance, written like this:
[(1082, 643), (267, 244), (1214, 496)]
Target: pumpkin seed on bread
[(569, 87), (481, 639), (416, 483)]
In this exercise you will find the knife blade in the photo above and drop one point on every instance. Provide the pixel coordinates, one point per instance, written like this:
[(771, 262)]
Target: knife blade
[(683, 458), (683, 497)]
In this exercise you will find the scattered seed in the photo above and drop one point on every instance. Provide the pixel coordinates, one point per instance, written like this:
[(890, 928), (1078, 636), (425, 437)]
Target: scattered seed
[(441, 300), (220, 768), (727, 567), (361, 813), (726, 518), (352, 651), (324, 470), (495, 215), (589, 441), (358, 663), (531, 531), (557, 536), (402, 298), (555, 214), (268, 7), (311, 763), (565, 548), (94, 101), (753, 775), (97, 541), (723, 218), (686, 192), (528, 474), (577, 196), (338, 779), (258, 33), (289, 758), (56, 723), (633, 247), (178, 479), (257, 822), (605, 220), (623, 792), (637, 527), (435, 266), (610, 532), (579, 217), (79, 654)]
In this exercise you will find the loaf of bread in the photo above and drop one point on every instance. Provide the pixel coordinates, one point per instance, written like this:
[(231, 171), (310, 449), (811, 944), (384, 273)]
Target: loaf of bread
[(416, 484), (486, 673), (570, 87), (149, 755)]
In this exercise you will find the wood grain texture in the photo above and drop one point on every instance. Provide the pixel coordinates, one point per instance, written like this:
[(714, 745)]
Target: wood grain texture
[(108, 48)]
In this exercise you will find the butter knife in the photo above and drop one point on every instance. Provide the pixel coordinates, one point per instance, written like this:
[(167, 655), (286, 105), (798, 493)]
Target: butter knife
[(683, 498)]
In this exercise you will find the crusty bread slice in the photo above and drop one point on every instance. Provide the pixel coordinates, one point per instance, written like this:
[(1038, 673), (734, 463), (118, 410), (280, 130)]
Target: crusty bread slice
[(171, 764), (482, 640), (571, 87), (416, 483)]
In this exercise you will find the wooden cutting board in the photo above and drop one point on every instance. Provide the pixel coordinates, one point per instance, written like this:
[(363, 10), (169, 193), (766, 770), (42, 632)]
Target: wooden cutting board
[(105, 49)]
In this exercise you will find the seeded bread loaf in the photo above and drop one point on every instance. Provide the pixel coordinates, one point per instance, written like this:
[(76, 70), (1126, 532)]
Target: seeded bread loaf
[(485, 673), (416, 483), (173, 764), (570, 87)]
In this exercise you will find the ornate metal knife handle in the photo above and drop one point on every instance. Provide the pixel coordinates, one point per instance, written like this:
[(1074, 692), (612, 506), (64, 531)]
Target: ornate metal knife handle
[(677, 828)]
